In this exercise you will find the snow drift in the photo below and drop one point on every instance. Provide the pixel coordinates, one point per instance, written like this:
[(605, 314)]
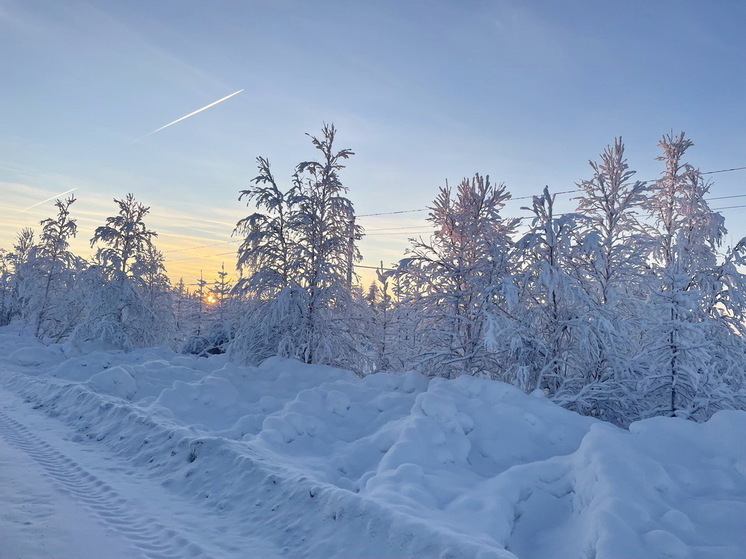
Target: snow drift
[(400, 465)]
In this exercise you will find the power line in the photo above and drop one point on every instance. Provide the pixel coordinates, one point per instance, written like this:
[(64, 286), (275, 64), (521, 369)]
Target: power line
[(426, 209), (393, 213), (373, 267), (392, 269), (553, 194), (728, 208), (415, 229), (727, 197), (556, 194), (368, 231), (723, 171)]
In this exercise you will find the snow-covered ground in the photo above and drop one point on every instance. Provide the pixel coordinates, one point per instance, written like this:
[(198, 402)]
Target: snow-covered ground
[(154, 454)]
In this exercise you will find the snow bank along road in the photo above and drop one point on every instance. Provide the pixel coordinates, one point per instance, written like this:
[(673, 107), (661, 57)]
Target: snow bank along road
[(62, 499), (153, 454)]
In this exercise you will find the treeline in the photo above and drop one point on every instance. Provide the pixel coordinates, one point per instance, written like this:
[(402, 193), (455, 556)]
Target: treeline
[(626, 308)]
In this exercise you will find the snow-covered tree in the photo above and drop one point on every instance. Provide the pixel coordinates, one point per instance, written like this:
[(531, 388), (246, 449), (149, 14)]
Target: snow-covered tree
[(6, 287), (327, 235), (268, 253), (267, 261), (456, 277), (126, 240), (384, 324), (24, 282), (611, 266), (220, 293), (58, 308), (692, 343), (199, 311), (40, 277), (194, 310), (128, 302), (148, 271), (181, 305), (212, 314), (614, 258), (548, 304), (296, 261)]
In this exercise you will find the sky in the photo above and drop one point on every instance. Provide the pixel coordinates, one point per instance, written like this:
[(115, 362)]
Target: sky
[(423, 92)]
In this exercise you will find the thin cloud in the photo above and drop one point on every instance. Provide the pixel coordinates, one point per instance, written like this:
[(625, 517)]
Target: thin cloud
[(187, 116)]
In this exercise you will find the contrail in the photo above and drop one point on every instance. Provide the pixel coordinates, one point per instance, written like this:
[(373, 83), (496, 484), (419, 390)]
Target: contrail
[(187, 116), (48, 199)]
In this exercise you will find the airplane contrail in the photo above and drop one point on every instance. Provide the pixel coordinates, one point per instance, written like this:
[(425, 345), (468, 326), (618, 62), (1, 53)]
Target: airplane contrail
[(48, 199), (187, 116)]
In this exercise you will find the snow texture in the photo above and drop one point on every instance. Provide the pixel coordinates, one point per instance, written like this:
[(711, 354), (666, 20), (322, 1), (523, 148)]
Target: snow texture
[(398, 465)]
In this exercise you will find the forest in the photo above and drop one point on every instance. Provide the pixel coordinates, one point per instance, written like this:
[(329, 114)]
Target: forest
[(626, 308)]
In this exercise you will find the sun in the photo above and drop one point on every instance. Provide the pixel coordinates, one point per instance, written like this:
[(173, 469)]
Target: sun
[(210, 299)]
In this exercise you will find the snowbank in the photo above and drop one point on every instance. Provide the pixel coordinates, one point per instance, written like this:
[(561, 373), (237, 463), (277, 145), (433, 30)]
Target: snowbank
[(399, 465)]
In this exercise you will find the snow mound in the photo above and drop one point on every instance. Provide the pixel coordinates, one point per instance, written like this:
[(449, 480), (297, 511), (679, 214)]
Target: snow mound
[(36, 355), (210, 402), (117, 381)]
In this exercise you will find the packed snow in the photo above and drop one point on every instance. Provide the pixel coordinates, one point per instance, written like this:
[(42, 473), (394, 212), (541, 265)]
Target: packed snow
[(318, 462)]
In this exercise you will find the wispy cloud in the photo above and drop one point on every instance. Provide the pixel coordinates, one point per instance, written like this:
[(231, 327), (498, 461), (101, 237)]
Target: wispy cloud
[(187, 116)]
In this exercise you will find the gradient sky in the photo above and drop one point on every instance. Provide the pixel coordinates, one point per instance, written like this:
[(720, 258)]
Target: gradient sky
[(524, 91)]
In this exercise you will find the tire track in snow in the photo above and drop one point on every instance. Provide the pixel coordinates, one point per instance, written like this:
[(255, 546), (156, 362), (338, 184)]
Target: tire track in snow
[(153, 538)]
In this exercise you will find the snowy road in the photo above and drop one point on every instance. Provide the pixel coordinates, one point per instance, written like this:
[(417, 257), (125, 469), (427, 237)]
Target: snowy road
[(62, 497)]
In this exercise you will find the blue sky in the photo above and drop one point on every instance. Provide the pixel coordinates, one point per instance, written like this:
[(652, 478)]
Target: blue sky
[(526, 92)]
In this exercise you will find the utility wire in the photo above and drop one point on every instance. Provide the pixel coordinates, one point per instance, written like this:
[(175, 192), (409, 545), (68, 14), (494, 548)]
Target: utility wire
[(426, 209), (723, 171), (728, 208), (368, 231), (555, 193), (403, 229), (727, 197), (393, 213), (373, 267)]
